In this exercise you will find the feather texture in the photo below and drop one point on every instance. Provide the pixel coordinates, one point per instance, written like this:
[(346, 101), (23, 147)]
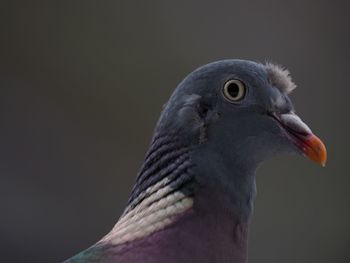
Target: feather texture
[(280, 77)]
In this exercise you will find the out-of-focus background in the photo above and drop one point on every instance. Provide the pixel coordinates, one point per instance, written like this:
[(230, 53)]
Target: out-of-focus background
[(82, 84)]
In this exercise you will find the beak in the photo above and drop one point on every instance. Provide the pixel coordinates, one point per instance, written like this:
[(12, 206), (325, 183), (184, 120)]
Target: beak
[(301, 135)]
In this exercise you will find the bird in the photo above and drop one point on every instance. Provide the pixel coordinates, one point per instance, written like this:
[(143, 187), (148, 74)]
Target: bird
[(193, 198)]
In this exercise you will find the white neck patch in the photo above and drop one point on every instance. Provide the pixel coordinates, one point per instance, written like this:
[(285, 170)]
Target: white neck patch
[(153, 213)]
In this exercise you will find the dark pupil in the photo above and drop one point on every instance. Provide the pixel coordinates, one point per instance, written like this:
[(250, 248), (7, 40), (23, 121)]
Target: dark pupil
[(233, 90)]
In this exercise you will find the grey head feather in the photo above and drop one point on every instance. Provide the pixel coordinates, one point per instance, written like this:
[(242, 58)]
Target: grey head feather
[(280, 77)]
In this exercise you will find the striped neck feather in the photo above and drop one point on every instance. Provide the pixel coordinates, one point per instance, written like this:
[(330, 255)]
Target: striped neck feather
[(163, 190)]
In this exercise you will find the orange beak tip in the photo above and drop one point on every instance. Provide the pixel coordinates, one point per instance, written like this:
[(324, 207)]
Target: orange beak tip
[(316, 150)]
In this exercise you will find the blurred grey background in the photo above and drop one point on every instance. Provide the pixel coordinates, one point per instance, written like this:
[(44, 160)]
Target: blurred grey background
[(82, 84)]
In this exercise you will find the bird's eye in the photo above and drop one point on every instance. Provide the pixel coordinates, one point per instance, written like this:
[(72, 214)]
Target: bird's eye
[(234, 90)]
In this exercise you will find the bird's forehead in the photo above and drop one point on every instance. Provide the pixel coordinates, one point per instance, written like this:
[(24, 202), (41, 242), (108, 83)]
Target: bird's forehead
[(239, 68)]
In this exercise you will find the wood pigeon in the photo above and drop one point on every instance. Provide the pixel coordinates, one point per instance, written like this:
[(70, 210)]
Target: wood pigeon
[(193, 197)]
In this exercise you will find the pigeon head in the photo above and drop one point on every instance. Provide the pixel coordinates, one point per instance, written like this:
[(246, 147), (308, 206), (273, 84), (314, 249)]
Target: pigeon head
[(235, 114), (240, 111)]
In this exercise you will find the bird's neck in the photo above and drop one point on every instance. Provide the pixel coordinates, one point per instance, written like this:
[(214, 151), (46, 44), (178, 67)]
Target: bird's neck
[(180, 203)]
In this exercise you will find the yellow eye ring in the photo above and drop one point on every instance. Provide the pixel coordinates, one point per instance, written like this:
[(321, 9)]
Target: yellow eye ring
[(234, 90)]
